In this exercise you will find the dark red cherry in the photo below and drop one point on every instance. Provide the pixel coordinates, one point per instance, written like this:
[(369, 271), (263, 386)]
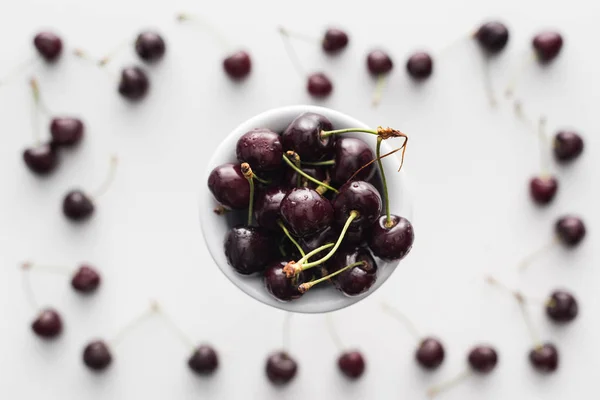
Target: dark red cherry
[(492, 37), (334, 40), (204, 360), (483, 359), (562, 307), (48, 45), (570, 230), (543, 189), (391, 243), (249, 249), (77, 206), (352, 364), (86, 279), (229, 186), (350, 154), (266, 208), (430, 353), (238, 65), (319, 85), (568, 146), (547, 45), (134, 83), (150, 46), (358, 196), (97, 356), (281, 368), (356, 280), (305, 211), (261, 148), (281, 287), (420, 65), (544, 358), (41, 159), (303, 136), (378, 62), (48, 324), (66, 131)]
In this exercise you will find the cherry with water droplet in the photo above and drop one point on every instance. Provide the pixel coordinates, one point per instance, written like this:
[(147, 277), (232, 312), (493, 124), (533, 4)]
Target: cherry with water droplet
[(303, 136), (305, 211)]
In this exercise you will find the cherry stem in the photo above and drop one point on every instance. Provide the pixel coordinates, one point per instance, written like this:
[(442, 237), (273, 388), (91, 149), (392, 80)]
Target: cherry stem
[(386, 197), (221, 210), (249, 175), (109, 56), (304, 174), (435, 390), (286, 337), (528, 260), (512, 84), (403, 319), (151, 311), (487, 80), (292, 55), (297, 162), (333, 332), (35, 92), (54, 269), (319, 163), (108, 180), (201, 22), (17, 70), (28, 289), (543, 141), (303, 288), (325, 134), (175, 328), (298, 35), (378, 92), (289, 236), (263, 181), (81, 54)]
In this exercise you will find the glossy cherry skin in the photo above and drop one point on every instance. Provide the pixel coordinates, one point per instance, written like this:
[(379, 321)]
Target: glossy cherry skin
[(48, 45), (97, 355), (547, 45), (334, 40), (303, 136), (358, 196), (290, 177), (150, 46), (378, 62), (134, 83), (229, 186), (48, 324), (392, 243), (86, 279), (281, 368), (249, 249), (420, 65), (562, 307), (570, 230), (352, 364), (319, 85), (305, 211), (430, 353), (261, 148), (350, 154), (568, 146), (483, 359), (41, 159), (281, 287), (77, 206), (66, 131), (238, 65), (544, 358), (266, 208), (356, 280), (543, 189), (204, 360), (492, 37)]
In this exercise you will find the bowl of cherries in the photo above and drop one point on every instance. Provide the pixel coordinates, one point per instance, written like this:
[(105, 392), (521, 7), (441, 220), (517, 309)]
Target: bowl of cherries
[(299, 213)]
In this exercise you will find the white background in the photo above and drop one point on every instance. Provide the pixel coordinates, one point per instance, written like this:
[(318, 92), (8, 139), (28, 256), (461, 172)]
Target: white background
[(469, 163)]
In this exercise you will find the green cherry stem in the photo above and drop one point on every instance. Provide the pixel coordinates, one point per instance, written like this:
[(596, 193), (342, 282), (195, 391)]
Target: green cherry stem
[(303, 288), (249, 175), (325, 134), (263, 181), (319, 163), (386, 197), (297, 162), (304, 174), (287, 233)]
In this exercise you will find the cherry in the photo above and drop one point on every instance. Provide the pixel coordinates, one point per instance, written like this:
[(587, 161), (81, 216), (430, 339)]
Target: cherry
[(544, 358), (319, 85), (204, 360), (77, 206), (48, 45), (350, 155), (543, 189), (568, 146), (249, 249), (483, 359), (281, 368), (97, 355), (86, 279), (352, 364), (355, 280), (334, 41), (134, 83), (547, 45), (303, 135), (492, 37), (360, 196), (150, 46), (238, 65), (419, 65), (305, 211), (562, 307), (66, 131), (261, 148), (41, 159), (430, 353), (280, 286), (378, 62), (229, 186), (393, 242), (570, 230), (266, 208), (48, 324)]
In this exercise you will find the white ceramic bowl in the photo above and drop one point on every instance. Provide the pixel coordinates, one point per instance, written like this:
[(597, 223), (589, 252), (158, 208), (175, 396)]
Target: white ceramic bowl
[(214, 227)]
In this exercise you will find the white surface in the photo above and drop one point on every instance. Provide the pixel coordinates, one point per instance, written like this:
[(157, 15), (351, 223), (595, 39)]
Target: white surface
[(469, 163), (214, 228)]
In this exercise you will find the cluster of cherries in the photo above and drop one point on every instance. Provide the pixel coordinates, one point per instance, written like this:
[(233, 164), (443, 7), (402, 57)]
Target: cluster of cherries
[(306, 230)]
